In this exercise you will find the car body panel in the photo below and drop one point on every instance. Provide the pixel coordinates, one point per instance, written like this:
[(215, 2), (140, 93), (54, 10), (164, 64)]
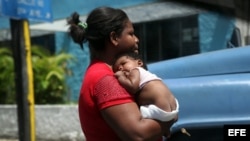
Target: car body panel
[(213, 90)]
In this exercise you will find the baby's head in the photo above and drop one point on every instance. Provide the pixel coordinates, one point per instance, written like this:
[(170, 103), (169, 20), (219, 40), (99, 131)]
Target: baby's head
[(127, 61)]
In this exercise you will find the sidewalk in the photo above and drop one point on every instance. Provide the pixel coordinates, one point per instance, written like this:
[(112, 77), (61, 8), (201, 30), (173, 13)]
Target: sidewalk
[(8, 139)]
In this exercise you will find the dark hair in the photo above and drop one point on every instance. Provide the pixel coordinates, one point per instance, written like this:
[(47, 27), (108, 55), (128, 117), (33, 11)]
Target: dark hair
[(100, 23), (132, 55)]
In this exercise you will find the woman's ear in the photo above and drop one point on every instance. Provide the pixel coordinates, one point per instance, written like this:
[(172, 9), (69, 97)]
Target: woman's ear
[(113, 38)]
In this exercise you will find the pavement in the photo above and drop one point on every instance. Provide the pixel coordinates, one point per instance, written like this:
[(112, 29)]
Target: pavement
[(8, 139)]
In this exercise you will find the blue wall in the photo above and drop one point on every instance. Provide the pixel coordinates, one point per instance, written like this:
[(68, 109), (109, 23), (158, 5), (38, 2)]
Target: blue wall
[(215, 31), (78, 66), (63, 42), (63, 8)]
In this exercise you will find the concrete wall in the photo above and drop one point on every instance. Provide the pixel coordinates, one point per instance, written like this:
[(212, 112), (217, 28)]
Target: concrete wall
[(53, 123)]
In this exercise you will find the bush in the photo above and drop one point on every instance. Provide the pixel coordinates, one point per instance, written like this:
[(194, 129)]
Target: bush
[(7, 83), (49, 74)]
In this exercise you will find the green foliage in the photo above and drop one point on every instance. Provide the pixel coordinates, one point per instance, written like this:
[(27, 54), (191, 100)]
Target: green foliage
[(7, 83), (49, 74)]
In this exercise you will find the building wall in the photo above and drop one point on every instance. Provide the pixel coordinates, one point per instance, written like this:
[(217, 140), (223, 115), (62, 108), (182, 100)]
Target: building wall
[(78, 65), (63, 8), (242, 11), (63, 42), (242, 14), (215, 31)]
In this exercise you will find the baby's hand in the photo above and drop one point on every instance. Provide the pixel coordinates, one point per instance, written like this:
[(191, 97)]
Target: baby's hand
[(123, 78), (119, 73)]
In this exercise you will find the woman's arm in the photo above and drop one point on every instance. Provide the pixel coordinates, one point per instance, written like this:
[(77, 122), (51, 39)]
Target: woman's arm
[(127, 122)]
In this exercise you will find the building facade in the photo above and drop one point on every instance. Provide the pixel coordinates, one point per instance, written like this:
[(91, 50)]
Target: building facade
[(166, 29)]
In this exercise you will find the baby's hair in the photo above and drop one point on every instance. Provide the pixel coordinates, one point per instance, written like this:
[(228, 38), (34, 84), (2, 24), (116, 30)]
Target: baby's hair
[(98, 26), (132, 55)]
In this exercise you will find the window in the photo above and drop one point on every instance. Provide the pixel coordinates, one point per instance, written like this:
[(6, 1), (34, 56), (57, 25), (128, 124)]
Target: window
[(167, 39), (47, 41)]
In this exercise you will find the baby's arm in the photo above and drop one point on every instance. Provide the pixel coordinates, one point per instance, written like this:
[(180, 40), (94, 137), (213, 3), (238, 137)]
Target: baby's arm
[(129, 80)]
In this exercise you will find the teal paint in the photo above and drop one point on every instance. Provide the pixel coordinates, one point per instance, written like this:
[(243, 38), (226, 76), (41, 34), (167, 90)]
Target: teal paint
[(78, 65), (215, 31), (63, 8)]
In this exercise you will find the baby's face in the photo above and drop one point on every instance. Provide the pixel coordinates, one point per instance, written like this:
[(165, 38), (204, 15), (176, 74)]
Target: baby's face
[(125, 63)]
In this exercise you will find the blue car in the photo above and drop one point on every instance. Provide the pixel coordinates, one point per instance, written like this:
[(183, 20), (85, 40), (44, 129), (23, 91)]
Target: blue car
[(213, 90)]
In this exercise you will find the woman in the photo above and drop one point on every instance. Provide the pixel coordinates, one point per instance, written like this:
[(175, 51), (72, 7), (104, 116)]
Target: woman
[(107, 111)]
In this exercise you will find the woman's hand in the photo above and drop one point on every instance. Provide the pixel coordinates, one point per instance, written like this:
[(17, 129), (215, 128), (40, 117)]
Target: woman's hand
[(167, 125)]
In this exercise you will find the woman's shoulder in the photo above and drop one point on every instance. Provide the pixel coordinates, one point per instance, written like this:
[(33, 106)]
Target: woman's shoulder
[(97, 70)]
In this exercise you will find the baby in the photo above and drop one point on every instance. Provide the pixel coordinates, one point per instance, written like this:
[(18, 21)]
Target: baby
[(151, 93)]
